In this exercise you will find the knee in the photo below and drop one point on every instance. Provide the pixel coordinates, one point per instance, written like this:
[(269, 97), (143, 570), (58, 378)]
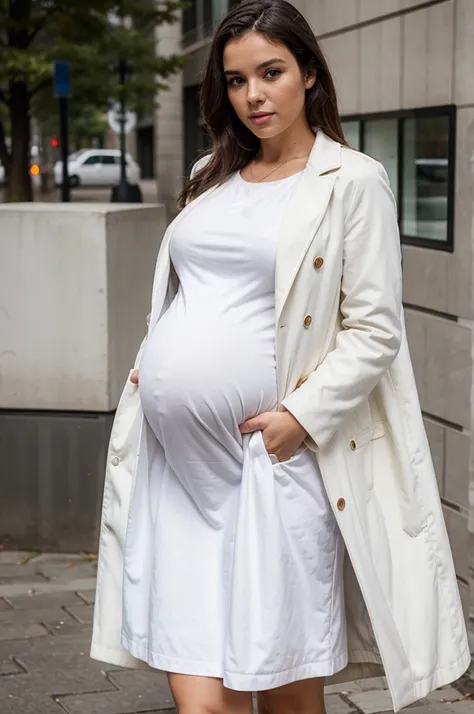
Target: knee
[(271, 703)]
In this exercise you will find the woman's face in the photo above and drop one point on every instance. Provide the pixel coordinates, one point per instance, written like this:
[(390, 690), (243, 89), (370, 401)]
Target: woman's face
[(264, 78)]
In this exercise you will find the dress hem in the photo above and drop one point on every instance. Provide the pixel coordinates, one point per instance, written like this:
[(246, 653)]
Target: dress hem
[(235, 680)]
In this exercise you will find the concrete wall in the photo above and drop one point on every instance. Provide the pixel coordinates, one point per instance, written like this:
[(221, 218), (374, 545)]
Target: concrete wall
[(75, 286), (75, 289), (169, 129)]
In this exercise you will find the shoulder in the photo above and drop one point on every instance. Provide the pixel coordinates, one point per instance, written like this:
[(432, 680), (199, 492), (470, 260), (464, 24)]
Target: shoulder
[(364, 184), (357, 167), (199, 164)]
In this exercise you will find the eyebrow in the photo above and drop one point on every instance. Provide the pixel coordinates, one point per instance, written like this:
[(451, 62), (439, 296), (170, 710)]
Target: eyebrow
[(274, 60)]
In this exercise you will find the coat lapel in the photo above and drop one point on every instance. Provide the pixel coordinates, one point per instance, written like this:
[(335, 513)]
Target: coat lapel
[(304, 214)]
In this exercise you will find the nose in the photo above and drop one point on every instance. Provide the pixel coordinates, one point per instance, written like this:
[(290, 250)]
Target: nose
[(255, 93)]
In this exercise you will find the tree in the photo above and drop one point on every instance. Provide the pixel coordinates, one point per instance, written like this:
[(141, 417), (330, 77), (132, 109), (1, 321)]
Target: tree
[(93, 37)]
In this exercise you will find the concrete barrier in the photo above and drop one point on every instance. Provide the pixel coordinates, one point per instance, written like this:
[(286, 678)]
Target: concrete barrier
[(75, 288)]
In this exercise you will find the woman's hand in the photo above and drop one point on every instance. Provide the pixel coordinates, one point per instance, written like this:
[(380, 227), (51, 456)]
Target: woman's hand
[(282, 433), (134, 376)]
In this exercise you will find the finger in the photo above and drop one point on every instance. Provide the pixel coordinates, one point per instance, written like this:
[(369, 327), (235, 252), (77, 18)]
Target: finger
[(134, 376), (253, 424)]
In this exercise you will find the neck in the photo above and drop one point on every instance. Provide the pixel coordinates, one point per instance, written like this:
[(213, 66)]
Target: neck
[(297, 140)]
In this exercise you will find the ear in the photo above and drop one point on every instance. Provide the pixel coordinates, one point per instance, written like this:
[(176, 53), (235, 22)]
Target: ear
[(310, 78)]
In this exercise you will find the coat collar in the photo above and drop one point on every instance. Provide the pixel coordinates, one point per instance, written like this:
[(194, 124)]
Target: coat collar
[(325, 155)]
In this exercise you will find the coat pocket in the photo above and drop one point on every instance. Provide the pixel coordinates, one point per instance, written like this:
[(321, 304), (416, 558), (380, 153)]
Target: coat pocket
[(360, 445)]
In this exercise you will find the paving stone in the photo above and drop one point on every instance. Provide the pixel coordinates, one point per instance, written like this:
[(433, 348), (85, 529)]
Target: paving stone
[(9, 667), (88, 596), (59, 566), (29, 703), (68, 627), (12, 556), (4, 605), (368, 685), (24, 577), (58, 559), (15, 630), (37, 601), (447, 694), (82, 613), (58, 676), (49, 620), (139, 692), (336, 705), (342, 688), (463, 707), (372, 702), (19, 589), (39, 649), (154, 684)]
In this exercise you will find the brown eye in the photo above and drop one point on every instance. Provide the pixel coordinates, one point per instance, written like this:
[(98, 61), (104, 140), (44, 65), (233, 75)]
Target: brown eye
[(274, 76)]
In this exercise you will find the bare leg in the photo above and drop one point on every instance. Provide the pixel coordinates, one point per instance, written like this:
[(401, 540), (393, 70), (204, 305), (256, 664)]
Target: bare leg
[(303, 697), (207, 695)]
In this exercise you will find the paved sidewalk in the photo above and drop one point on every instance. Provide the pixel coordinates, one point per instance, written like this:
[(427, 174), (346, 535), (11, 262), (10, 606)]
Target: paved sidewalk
[(45, 627)]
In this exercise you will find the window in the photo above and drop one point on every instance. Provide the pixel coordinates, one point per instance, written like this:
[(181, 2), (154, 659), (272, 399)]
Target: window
[(200, 18), (381, 142), (107, 159), (417, 150), (92, 160)]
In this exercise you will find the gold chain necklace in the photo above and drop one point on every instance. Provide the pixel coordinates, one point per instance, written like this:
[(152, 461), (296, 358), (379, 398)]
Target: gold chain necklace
[(292, 158)]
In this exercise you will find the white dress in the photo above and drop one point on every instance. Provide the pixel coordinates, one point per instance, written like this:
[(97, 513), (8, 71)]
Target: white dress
[(243, 577)]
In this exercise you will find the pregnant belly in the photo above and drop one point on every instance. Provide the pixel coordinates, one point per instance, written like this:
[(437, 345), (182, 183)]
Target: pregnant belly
[(208, 370)]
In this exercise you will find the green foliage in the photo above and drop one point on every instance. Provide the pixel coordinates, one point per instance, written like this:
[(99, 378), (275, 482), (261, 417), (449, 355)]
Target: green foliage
[(91, 35)]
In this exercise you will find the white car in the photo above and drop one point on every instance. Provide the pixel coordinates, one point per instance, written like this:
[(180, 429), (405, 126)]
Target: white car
[(96, 167)]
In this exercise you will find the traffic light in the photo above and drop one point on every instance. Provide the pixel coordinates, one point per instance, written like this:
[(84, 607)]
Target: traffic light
[(54, 142)]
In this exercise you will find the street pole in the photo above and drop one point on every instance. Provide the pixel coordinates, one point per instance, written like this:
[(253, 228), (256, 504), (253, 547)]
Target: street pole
[(122, 78), (62, 90), (64, 141), (124, 192)]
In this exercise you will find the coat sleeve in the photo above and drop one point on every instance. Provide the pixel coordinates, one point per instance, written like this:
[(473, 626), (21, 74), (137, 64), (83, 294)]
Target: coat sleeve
[(371, 305)]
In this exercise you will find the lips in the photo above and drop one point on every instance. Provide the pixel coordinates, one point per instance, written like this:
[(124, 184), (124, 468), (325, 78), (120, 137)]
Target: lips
[(261, 118)]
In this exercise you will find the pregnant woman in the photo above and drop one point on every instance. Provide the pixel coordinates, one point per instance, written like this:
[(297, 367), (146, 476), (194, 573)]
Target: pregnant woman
[(271, 520)]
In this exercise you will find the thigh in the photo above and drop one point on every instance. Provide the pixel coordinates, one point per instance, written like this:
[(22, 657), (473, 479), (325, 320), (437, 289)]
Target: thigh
[(303, 697), (207, 695)]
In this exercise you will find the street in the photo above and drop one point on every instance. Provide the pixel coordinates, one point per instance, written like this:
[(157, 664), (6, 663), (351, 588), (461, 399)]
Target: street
[(46, 609), (94, 194)]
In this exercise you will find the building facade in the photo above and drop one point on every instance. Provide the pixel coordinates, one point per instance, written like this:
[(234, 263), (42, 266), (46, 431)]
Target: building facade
[(404, 77)]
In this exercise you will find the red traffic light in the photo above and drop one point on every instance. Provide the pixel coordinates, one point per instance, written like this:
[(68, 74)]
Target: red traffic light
[(55, 143)]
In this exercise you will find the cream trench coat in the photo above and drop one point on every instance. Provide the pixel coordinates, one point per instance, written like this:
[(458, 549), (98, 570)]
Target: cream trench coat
[(344, 371)]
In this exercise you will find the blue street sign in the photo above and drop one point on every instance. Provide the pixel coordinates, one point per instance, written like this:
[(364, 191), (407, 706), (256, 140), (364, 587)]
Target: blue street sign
[(62, 79)]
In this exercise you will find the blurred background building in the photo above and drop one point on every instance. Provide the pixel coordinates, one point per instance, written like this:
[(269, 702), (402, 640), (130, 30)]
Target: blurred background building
[(404, 75)]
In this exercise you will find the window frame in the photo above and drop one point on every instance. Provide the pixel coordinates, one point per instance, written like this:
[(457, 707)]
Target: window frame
[(448, 111), (86, 161)]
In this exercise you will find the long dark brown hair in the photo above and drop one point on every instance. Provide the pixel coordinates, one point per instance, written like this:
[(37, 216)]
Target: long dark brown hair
[(233, 144)]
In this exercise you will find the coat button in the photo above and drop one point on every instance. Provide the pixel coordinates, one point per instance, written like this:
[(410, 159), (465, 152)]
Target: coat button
[(341, 504), (308, 320), (318, 262), (115, 461), (353, 445)]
